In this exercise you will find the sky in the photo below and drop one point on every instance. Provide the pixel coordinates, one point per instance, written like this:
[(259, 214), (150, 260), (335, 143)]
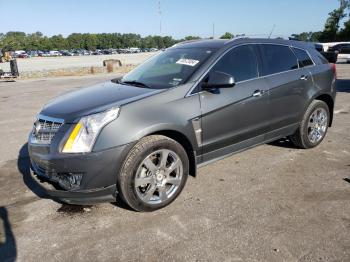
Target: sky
[(179, 17)]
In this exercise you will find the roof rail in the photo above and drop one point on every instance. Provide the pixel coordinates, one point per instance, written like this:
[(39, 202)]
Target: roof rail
[(236, 38), (189, 41)]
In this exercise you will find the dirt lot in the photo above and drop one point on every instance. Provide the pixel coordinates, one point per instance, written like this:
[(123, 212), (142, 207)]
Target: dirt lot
[(270, 203), (65, 62)]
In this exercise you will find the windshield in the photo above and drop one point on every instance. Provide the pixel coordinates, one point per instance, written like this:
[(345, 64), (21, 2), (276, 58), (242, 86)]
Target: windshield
[(170, 68)]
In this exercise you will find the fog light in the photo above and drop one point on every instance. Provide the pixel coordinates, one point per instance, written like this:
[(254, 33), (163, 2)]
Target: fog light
[(70, 181)]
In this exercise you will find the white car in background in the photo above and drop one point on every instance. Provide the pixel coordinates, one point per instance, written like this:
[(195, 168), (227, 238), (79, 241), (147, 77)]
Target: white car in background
[(54, 53), (342, 48)]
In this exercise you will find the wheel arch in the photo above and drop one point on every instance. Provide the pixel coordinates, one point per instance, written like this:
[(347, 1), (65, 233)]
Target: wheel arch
[(186, 144), (330, 103)]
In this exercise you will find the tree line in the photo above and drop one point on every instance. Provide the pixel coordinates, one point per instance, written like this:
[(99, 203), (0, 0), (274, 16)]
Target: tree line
[(15, 40), (333, 30), (10, 41)]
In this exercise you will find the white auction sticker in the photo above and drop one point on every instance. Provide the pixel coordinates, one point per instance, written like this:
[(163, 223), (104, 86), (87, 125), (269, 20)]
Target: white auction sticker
[(189, 62)]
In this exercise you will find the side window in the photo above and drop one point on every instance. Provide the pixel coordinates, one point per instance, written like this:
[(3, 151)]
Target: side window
[(240, 62), (322, 58), (345, 49), (303, 57), (277, 58)]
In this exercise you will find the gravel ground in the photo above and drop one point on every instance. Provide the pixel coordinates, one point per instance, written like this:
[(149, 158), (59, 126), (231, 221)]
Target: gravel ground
[(269, 203), (35, 64)]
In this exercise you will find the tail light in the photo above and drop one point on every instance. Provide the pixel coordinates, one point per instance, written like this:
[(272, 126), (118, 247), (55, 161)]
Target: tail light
[(334, 69)]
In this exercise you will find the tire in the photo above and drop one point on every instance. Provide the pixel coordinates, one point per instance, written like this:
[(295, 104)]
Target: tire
[(303, 138), (144, 172)]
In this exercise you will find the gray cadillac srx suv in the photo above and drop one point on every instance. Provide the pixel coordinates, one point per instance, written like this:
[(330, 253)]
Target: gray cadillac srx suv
[(140, 136)]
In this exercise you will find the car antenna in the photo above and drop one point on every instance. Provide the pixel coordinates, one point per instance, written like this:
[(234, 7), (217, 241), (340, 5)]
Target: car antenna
[(273, 28)]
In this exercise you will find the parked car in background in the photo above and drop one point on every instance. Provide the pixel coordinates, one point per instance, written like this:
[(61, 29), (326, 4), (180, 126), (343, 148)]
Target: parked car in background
[(85, 52), (140, 136), (44, 53), (54, 53), (20, 54), (330, 55), (66, 53), (32, 53), (343, 51), (23, 55), (97, 52), (134, 50)]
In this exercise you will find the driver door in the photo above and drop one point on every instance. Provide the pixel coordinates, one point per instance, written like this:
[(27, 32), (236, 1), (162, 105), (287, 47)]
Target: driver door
[(237, 117)]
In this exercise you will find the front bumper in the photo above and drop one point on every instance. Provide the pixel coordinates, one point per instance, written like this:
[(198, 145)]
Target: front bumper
[(97, 172), (83, 197)]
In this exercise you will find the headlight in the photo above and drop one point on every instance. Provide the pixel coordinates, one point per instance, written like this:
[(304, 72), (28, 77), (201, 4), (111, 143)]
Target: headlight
[(85, 132)]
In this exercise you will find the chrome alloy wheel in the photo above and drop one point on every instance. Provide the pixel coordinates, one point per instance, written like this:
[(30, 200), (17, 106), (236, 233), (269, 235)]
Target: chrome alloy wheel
[(159, 176), (317, 125)]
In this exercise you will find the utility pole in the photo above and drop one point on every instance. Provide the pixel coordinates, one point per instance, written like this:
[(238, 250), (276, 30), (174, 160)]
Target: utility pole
[(160, 18), (213, 30)]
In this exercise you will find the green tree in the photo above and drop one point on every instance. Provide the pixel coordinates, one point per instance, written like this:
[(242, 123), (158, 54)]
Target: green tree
[(344, 34), (90, 41), (75, 41), (14, 41), (332, 25), (307, 36), (58, 42), (191, 37), (227, 35)]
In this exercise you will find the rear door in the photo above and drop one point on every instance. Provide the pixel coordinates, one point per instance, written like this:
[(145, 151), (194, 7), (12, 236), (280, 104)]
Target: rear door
[(287, 84)]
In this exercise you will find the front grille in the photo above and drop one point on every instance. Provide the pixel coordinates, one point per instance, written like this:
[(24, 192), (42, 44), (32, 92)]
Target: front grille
[(44, 130)]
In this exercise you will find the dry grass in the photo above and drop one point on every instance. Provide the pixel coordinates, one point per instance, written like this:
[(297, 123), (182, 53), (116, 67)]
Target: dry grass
[(76, 71)]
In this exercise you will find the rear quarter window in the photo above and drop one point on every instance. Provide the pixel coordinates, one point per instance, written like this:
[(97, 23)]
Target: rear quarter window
[(303, 57), (277, 59), (317, 56)]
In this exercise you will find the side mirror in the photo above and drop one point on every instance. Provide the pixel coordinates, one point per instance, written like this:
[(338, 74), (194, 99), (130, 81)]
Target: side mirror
[(219, 79), (116, 80)]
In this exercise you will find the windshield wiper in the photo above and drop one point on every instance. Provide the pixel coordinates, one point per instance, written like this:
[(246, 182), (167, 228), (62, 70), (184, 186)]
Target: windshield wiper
[(135, 83)]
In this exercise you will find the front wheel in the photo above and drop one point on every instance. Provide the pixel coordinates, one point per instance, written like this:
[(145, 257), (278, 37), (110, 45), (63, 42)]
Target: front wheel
[(153, 174), (313, 127)]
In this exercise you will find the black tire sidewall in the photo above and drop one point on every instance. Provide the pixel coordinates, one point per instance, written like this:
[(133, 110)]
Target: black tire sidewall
[(126, 179), (316, 104)]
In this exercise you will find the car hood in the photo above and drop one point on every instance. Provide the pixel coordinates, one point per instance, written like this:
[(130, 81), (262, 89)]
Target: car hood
[(73, 105)]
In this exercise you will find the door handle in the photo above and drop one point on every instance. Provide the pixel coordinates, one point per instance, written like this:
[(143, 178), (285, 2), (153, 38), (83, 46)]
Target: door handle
[(304, 77), (258, 93)]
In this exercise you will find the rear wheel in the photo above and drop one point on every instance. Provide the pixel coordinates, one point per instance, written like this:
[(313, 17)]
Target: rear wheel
[(153, 174), (313, 127)]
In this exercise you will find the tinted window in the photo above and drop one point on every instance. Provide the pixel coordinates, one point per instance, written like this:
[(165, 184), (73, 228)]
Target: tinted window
[(240, 62), (335, 47), (322, 58), (303, 57), (345, 49), (277, 58), (319, 47)]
